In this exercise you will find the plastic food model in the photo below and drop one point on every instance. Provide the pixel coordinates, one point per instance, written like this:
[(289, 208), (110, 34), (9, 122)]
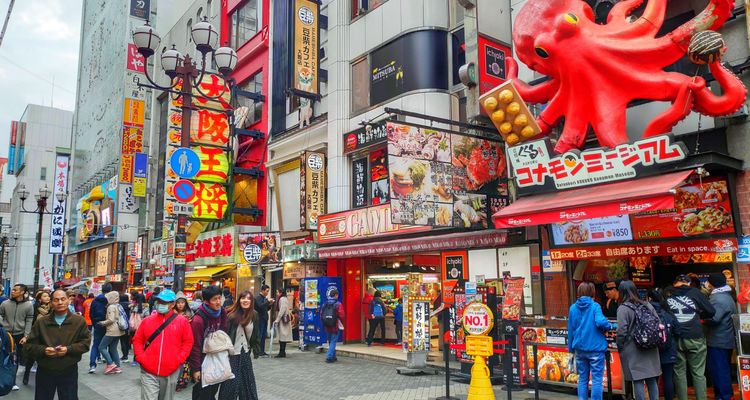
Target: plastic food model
[(595, 70), (509, 114)]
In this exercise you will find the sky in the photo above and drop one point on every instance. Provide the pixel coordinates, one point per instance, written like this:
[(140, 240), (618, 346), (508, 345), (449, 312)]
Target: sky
[(40, 47)]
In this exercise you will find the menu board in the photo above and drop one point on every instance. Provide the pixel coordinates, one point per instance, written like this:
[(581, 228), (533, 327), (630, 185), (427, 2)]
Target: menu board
[(359, 183), (594, 230), (641, 270), (700, 208)]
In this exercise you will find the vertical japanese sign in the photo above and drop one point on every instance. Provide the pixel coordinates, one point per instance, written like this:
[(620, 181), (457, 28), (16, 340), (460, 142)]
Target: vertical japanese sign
[(743, 364), (313, 201), (57, 227), (136, 61), (140, 174), (359, 183), (305, 48), (418, 324), (12, 148)]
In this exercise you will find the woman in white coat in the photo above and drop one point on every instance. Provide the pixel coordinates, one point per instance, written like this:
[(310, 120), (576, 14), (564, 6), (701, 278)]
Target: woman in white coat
[(283, 322)]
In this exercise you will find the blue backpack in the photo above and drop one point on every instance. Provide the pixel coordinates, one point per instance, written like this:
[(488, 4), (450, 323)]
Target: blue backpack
[(377, 310), (7, 362)]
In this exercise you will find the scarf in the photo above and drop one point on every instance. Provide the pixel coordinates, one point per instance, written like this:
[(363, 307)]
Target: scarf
[(723, 289), (42, 310), (211, 312)]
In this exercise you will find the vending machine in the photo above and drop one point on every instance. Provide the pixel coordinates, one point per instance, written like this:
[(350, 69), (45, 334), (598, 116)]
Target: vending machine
[(313, 294)]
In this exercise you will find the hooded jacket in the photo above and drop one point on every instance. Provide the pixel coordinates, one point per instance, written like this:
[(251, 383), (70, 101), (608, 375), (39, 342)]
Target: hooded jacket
[(98, 311), (689, 305), (18, 316), (667, 354), (586, 326), (721, 325), (113, 314), (169, 350)]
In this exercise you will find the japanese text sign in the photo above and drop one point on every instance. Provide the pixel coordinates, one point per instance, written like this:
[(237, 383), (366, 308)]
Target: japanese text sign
[(136, 62), (126, 168), (134, 112), (418, 323), (57, 227), (214, 164), (132, 139), (656, 249), (212, 248), (211, 201), (313, 189), (364, 137), (305, 48), (209, 127)]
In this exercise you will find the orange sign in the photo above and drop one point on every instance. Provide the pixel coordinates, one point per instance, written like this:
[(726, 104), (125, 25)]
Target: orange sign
[(132, 139), (134, 112), (126, 168)]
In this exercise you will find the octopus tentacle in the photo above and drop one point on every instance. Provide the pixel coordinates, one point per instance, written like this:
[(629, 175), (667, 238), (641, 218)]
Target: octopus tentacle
[(733, 98), (664, 122), (539, 94), (711, 18), (574, 132), (647, 25)]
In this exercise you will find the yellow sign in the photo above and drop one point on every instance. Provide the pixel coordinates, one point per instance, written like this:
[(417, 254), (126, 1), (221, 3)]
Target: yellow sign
[(139, 186), (214, 164), (479, 345), (305, 56), (126, 168), (478, 319), (209, 127), (134, 112)]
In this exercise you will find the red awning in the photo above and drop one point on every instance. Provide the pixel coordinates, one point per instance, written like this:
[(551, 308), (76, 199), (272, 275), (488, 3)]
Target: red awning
[(629, 197), (466, 240)]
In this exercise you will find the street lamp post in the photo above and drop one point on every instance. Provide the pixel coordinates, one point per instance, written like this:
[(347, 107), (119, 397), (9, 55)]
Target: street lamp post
[(4, 244), (41, 211), (185, 76)]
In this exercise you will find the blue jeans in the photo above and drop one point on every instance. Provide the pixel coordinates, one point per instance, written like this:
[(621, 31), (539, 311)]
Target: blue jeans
[(332, 339), (98, 335), (108, 348), (263, 327), (720, 370), (590, 362), (667, 373), (653, 388)]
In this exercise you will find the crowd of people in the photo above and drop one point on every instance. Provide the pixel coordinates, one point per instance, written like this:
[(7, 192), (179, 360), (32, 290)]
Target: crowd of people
[(672, 333), (207, 342)]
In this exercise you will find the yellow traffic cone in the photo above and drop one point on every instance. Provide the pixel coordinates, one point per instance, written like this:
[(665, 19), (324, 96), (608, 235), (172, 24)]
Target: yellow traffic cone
[(480, 387)]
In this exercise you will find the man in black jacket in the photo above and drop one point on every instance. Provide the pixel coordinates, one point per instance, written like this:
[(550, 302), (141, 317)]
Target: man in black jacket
[(262, 306), (689, 306), (98, 313)]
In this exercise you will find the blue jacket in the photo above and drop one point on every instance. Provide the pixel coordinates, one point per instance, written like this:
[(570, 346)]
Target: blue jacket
[(586, 326), (398, 313), (98, 310)]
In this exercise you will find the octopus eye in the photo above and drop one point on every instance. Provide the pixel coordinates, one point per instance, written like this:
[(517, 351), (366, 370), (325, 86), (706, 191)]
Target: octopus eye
[(541, 52), (571, 18)]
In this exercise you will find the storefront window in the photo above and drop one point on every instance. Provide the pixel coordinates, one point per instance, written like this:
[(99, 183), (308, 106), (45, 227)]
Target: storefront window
[(245, 22), (253, 85), (370, 179), (360, 85)]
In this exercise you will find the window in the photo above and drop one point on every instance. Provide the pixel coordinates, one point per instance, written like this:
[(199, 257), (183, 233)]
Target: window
[(43, 174), (361, 7), (370, 179), (245, 23), (254, 85), (360, 85)]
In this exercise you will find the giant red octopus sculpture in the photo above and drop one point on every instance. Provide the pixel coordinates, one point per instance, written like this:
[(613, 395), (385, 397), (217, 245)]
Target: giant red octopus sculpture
[(595, 70)]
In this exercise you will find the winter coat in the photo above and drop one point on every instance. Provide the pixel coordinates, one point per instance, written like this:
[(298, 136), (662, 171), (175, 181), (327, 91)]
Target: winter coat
[(72, 334), (366, 301), (721, 325), (262, 305), (169, 350), (667, 353), (586, 326), (113, 314), (98, 312), (340, 311), (689, 306), (41, 311), (284, 329), (18, 317), (252, 342), (637, 363), (87, 311), (201, 327)]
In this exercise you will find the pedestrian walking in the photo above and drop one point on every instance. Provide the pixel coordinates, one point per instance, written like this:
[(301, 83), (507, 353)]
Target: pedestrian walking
[(98, 313), (262, 307), (228, 299), (243, 330), (332, 314), (283, 321), (41, 309), (197, 301), (17, 314), (668, 351), (182, 308), (126, 336), (87, 310), (398, 320), (210, 317), (152, 298), (586, 328), (108, 345), (721, 335), (366, 300), (689, 306), (377, 317), (639, 365), (57, 342), (161, 345)]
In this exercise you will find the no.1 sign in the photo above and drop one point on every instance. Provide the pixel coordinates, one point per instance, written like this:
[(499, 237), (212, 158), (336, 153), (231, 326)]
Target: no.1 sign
[(478, 319)]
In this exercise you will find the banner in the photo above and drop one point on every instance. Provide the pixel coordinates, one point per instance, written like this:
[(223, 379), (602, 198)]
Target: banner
[(57, 227), (140, 174), (312, 188), (305, 51)]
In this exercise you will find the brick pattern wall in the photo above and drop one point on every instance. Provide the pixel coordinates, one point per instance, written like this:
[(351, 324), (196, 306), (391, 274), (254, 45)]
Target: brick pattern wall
[(743, 200)]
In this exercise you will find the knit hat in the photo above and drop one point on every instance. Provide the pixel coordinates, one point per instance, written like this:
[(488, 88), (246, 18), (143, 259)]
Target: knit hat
[(717, 280)]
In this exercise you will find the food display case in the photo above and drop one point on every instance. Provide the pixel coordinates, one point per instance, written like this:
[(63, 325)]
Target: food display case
[(556, 365)]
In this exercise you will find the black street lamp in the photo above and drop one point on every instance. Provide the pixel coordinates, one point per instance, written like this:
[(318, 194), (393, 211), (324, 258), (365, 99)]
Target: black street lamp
[(4, 244), (185, 76), (41, 211)]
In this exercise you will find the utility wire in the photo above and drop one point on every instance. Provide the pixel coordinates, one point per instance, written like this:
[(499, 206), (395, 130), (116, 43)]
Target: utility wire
[(35, 75)]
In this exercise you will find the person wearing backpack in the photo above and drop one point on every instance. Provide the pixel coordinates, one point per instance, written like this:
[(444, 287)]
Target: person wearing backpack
[(112, 324), (126, 337), (97, 314), (668, 350), (57, 343), (377, 314), (721, 337), (161, 345), (639, 331), (689, 306), (209, 317), (332, 315), (586, 327)]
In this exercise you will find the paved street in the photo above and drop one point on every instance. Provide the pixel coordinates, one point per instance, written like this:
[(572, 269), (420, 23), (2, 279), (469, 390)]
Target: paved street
[(300, 376)]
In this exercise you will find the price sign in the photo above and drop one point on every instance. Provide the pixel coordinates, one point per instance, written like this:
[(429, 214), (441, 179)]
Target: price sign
[(478, 319)]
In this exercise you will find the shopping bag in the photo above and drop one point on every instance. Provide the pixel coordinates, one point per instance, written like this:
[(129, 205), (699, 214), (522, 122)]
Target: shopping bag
[(216, 368), (270, 342)]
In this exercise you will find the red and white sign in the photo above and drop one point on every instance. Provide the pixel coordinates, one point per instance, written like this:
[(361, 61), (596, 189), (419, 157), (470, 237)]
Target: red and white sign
[(493, 70), (363, 223), (532, 163), (652, 249), (212, 248), (478, 319), (136, 62)]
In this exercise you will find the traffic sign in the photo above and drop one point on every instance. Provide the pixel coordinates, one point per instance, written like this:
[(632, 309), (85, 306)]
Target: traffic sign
[(252, 253), (184, 191), (185, 162), (478, 319)]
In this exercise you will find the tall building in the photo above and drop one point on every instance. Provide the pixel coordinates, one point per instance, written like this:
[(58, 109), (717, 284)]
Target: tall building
[(40, 135), (111, 128)]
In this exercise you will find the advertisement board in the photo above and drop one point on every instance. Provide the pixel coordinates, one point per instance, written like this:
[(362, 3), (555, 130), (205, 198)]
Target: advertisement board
[(57, 226), (305, 52), (492, 67), (312, 188), (269, 243), (363, 223), (594, 230)]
